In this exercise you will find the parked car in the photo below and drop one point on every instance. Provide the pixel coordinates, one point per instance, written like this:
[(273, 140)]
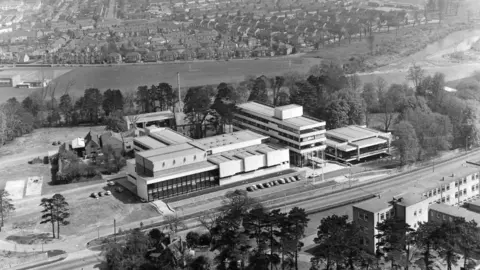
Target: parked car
[(249, 189), (259, 186), (266, 185), (94, 195), (100, 194), (110, 183), (143, 200), (273, 183), (108, 193), (281, 181)]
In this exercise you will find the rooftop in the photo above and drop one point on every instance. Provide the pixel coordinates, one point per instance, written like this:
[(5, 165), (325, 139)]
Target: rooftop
[(269, 112), (354, 133), (146, 117), (169, 136), (456, 211), (411, 195), (150, 142), (165, 150), (226, 139)]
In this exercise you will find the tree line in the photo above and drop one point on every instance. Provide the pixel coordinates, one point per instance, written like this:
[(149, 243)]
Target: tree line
[(425, 118), (242, 235)]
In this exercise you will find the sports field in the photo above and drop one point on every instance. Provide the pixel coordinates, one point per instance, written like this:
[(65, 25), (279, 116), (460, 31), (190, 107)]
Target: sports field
[(129, 77)]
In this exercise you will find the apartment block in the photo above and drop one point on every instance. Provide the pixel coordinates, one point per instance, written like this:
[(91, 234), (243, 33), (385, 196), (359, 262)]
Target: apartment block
[(412, 203), (304, 136)]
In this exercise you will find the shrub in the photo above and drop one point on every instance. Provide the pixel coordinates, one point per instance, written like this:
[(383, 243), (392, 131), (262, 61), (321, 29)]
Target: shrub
[(192, 239), (204, 239)]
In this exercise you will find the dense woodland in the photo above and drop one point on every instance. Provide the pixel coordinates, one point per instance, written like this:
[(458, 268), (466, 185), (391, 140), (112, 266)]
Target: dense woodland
[(425, 119), (244, 235)]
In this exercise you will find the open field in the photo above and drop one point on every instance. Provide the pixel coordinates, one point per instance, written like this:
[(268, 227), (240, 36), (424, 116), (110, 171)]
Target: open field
[(88, 213), (14, 156), (129, 77)]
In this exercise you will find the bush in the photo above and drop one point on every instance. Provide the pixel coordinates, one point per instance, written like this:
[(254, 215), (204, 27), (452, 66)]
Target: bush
[(45, 160), (204, 239), (192, 239)]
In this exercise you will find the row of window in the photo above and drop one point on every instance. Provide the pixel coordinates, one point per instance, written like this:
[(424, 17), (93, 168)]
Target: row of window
[(387, 215), (141, 146), (447, 186)]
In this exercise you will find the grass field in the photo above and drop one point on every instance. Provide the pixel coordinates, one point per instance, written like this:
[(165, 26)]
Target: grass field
[(14, 156)]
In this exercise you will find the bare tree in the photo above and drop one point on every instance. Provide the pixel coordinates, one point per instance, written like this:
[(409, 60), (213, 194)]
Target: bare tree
[(174, 223), (415, 74), (209, 220), (69, 85)]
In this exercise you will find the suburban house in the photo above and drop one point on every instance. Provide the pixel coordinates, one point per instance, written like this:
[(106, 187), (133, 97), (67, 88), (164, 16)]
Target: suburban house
[(116, 141), (78, 146), (114, 58), (92, 144), (133, 57)]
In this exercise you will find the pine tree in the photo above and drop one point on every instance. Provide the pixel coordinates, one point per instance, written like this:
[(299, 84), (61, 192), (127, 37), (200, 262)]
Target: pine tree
[(6, 207)]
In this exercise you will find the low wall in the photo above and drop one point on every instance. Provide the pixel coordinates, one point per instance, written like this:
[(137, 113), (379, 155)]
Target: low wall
[(372, 173)]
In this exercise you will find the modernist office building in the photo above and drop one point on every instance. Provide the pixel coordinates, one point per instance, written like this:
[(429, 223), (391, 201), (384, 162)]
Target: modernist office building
[(303, 135), (412, 203), (354, 143), (175, 164)]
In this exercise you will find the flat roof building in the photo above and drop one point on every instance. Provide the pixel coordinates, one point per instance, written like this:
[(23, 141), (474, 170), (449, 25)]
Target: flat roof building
[(159, 119), (354, 143), (304, 136), (411, 203), (175, 164), (447, 213)]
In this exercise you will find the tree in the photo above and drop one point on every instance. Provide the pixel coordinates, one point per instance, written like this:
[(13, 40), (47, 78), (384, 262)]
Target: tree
[(197, 108), (112, 101), (144, 99), (156, 236), (298, 222), (92, 99), (6, 207), (48, 215), (174, 223), (224, 104), (406, 142), (449, 233), (61, 211), (337, 114), (392, 237), (192, 239), (427, 239), (209, 220), (30, 106), (468, 240), (302, 94), (259, 91), (371, 43), (415, 74), (370, 96), (66, 107), (330, 240), (200, 263), (277, 83)]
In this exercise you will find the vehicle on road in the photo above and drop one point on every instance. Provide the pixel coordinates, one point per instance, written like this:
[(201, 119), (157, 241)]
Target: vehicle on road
[(108, 193)]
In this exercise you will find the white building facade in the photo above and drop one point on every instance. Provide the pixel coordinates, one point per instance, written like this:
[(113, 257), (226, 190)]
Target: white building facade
[(304, 136)]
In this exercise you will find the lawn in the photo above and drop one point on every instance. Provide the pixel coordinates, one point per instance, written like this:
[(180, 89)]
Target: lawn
[(14, 156)]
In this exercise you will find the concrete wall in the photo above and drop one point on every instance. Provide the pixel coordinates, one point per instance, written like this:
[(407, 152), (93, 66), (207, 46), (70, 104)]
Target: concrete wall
[(142, 188), (230, 168), (235, 146), (248, 175), (288, 113), (277, 157), (252, 163), (168, 163)]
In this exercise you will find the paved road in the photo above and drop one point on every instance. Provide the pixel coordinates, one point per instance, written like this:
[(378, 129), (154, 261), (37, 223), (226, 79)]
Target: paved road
[(82, 260)]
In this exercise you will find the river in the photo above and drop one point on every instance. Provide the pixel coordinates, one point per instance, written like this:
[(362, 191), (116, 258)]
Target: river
[(430, 59)]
